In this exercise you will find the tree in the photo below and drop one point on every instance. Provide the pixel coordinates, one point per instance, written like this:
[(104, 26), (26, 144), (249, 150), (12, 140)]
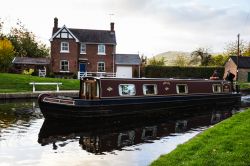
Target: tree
[(181, 60), (200, 57), (25, 43), (218, 60), (232, 48), (247, 50), (156, 61), (6, 54), (1, 27), (143, 64)]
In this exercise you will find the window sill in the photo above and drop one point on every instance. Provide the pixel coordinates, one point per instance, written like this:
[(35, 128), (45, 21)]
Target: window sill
[(83, 53), (64, 71), (101, 53), (64, 51)]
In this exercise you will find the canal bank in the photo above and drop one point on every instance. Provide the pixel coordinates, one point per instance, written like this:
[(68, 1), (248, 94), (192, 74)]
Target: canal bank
[(27, 95), (227, 143)]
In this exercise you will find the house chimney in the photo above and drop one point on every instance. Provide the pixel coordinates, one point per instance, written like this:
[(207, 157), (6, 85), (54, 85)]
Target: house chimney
[(55, 26), (55, 23), (112, 25)]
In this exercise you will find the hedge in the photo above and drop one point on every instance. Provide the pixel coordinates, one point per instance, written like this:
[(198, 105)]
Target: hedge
[(181, 72)]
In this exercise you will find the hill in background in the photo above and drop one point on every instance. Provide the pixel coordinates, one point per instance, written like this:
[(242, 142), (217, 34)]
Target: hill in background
[(170, 56)]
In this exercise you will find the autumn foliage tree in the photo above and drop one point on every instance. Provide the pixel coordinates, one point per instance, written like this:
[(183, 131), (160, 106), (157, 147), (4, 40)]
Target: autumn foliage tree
[(25, 43), (6, 54)]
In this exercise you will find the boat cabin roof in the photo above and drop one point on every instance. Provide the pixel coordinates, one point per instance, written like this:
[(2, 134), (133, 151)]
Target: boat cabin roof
[(143, 78), (150, 79), (128, 87)]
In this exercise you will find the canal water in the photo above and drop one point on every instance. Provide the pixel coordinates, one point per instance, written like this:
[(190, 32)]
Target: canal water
[(27, 139)]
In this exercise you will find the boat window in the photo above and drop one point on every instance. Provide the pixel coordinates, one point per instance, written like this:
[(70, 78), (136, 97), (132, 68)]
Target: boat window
[(149, 89), (216, 88), (126, 89), (181, 88)]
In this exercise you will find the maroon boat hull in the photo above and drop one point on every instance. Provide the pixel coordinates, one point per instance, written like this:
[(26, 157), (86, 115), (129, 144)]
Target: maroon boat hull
[(77, 108)]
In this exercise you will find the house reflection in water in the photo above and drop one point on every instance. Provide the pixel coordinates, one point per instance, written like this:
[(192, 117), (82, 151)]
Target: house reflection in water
[(103, 137)]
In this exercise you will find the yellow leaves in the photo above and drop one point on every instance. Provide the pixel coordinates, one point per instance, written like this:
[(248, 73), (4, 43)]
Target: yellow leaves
[(5, 44), (6, 54)]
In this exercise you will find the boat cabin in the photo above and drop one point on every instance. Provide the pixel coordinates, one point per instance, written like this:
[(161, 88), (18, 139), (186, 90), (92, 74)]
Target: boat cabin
[(96, 88)]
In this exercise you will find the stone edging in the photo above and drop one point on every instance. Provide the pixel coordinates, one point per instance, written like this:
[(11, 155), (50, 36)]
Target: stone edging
[(28, 95)]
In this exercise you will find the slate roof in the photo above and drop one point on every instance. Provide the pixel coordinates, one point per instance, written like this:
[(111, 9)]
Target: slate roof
[(244, 61), (94, 36), (31, 61), (91, 36), (127, 59)]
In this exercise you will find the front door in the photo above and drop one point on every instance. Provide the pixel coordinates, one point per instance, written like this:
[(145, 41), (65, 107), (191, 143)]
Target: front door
[(82, 67)]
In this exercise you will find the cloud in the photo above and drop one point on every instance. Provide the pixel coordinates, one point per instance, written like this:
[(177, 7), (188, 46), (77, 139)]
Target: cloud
[(191, 14), (193, 23), (150, 26)]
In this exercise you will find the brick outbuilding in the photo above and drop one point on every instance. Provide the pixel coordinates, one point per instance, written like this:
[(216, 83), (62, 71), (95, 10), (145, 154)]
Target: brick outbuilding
[(243, 67)]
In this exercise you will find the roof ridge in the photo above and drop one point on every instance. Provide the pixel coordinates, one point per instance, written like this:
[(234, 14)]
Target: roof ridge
[(89, 29)]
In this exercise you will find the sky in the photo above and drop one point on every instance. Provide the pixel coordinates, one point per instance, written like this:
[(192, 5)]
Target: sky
[(146, 27)]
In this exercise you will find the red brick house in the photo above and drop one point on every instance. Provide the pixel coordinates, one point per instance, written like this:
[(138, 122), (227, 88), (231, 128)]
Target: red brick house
[(243, 63), (77, 51)]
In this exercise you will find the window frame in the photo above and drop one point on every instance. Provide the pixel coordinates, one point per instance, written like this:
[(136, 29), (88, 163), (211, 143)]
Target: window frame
[(63, 50), (217, 85), (64, 35), (145, 90), (64, 64), (178, 89), (99, 66), (128, 94), (81, 48), (101, 51)]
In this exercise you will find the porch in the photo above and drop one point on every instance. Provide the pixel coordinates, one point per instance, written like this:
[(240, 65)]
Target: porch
[(95, 74)]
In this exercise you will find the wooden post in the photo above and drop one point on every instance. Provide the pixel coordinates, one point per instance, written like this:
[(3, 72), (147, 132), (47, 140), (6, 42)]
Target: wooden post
[(34, 87), (238, 54), (57, 87)]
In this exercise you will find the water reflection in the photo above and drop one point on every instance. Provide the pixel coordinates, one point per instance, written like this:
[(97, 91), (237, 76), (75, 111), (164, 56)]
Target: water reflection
[(99, 136), (16, 116), (17, 112), (123, 141)]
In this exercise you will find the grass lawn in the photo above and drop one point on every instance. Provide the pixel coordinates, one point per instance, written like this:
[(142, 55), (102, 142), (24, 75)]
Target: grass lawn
[(20, 83), (227, 143), (244, 85)]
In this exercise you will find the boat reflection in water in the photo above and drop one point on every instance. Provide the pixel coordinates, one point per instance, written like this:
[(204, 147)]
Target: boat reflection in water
[(99, 136)]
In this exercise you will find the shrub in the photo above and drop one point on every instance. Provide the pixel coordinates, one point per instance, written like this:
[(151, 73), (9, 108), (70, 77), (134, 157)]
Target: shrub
[(28, 71)]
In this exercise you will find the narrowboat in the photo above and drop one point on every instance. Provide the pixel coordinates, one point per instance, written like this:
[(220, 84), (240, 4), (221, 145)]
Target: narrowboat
[(110, 97)]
